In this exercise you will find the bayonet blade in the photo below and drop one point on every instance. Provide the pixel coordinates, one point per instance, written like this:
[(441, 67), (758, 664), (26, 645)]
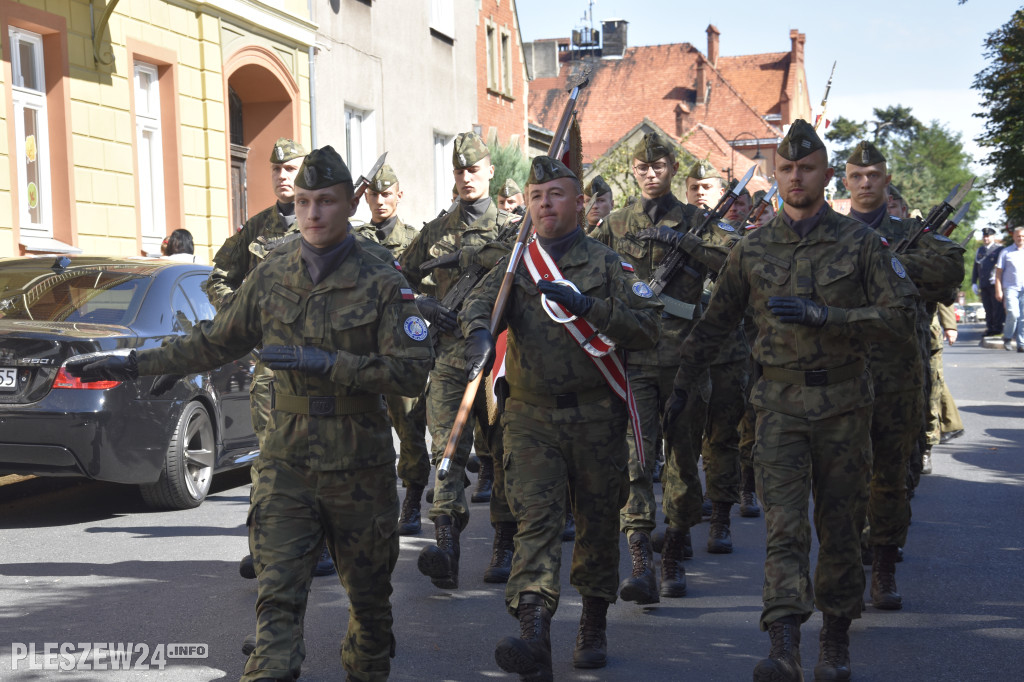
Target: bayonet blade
[(961, 193), (771, 193), (746, 178), (960, 214), (373, 170)]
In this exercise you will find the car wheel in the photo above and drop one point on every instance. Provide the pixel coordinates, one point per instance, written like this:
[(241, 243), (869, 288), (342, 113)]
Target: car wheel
[(188, 467)]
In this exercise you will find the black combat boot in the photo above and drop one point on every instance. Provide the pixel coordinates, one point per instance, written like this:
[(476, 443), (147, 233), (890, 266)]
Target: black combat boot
[(642, 586), (884, 594), (249, 644), (325, 564), (440, 563), (569, 531), (749, 508), (687, 545), (501, 558), (530, 653), (409, 521), (247, 567), (719, 535), (591, 642), (834, 655), (783, 662), (673, 575), (484, 481)]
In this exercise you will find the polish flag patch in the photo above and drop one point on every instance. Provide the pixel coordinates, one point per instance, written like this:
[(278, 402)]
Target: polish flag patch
[(626, 266), (408, 295)]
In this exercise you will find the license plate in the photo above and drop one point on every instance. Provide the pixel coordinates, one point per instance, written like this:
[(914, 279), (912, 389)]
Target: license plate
[(8, 378)]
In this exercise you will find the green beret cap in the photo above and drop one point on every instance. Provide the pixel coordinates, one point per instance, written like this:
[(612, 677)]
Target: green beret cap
[(597, 186), (384, 179), (702, 170), (468, 149), (322, 168), (286, 150), (545, 169), (509, 188), (653, 147), (865, 154), (800, 141)]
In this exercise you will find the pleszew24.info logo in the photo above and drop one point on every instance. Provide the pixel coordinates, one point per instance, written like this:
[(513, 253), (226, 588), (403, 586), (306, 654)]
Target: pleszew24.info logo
[(67, 656)]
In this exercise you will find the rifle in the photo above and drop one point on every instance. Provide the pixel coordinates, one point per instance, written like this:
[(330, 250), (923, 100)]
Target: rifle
[(936, 217), (556, 149), (952, 223), (757, 211), (364, 180), (824, 101)]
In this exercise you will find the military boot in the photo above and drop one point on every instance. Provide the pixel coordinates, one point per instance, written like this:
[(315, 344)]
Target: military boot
[(705, 507), (719, 535), (440, 562), (249, 644), (409, 522), (247, 567), (501, 558), (530, 653), (884, 594), (834, 654), (749, 508), (591, 641), (926, 461), (642, 586), (783, 662), (484, 481), (673, 575), (325, 564), (569, 531)]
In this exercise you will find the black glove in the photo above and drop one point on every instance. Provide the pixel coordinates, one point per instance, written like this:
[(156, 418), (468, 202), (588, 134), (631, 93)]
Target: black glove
[(673, 408), (303, 358), (479, 353), (669, 237), (449, 260), (437, 315), (164, 383), (106, 367), (798, 310), (575, 303)]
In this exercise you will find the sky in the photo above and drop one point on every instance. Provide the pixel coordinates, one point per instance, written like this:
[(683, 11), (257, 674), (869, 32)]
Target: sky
[(923, 54)]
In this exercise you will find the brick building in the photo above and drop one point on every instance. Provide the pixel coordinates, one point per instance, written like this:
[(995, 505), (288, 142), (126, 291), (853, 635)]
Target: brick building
[(502, 84)]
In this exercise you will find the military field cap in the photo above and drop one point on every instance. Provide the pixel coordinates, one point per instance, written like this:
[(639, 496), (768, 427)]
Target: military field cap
[(384, 179), (653, 147), (758, 195), (865, 154), (703, 169), (468, 149), (732, 186), (286, 150), (800, 141), (545, 169), (597, 186), (987, 231), (895, 193), (509, 188), (322, 168)]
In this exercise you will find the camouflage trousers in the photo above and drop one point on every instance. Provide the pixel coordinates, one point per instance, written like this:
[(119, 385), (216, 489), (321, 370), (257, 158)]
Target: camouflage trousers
[(259, 409), (830, 459), (444, 394), (650, 391), (746, 429), (546, 448), (683, 496), (893, 438), (409, 417), (721, 446), (293, 511), (943, 415)]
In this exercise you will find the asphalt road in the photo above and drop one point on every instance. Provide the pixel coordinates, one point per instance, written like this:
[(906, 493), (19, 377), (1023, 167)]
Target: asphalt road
[(87, 563)]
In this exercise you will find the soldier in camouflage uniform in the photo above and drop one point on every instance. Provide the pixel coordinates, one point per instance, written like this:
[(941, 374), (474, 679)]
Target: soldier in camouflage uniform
[(563, 423), (510, 197), (337, 327), (644, 233), (472, 225), (604, 204), (821, 288), (935, 264)]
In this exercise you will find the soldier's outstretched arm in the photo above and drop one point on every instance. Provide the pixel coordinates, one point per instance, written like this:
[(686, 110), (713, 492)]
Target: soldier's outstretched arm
[(891, 313), (229, 268), (936, 265), (631, 314)]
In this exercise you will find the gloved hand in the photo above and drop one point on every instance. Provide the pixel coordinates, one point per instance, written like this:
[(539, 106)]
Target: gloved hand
[(105, 367), (673, 408), (669, 237), (575, 303), (479, 353), (798, 310), (975, 289), (437, 315), (303, 358), (449, 260), (164, 383)]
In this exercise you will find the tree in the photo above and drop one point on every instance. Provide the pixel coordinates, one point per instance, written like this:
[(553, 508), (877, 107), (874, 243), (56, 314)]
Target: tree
[(616, 167), (509, 162)]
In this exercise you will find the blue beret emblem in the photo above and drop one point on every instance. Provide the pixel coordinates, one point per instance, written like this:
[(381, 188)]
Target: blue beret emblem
[(415, 328), (897, 267), (642, 290)]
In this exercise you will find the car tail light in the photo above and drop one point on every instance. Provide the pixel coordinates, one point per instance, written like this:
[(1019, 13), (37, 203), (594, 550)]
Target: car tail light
[(65, 380)]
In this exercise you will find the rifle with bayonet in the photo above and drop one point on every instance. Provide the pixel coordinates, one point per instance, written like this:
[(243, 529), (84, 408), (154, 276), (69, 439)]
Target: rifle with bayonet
[(936, 217), (824, 101), (951, 224), (758, 209)]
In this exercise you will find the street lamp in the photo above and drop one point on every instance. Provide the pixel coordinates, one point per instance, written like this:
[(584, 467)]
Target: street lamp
[(757, 152)]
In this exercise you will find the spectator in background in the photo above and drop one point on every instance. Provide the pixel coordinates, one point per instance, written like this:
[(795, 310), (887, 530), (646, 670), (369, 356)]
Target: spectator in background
[(178, 245), (983, 281), (1009, 283)]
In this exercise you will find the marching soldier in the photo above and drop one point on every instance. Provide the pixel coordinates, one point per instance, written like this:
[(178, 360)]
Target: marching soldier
[(602, 206), (338, 327), (510, 197), (821, 287), (563, 421)]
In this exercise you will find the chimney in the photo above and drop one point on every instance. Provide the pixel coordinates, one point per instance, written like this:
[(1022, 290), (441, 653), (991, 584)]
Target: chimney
[(713, 45), (702, 82), (614, 37), (797, 41)]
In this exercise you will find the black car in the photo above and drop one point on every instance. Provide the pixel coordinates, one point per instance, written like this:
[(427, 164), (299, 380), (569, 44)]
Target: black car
[(52, 424)]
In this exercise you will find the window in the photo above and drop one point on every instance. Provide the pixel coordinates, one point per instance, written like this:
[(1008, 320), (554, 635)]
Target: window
[(442, 18), (506, 63), (492, 59), (444, 145), (360, 140), (149, 147), (28, 95)]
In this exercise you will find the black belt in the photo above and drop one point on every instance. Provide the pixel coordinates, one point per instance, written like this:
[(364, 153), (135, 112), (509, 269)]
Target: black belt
[(559, 400), (326, 405), (814, 377)]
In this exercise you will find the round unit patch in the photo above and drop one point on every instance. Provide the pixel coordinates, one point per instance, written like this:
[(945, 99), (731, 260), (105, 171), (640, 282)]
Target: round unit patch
[(942, 238), (416, 328), (897, 267), (642, 290), (726, 227)]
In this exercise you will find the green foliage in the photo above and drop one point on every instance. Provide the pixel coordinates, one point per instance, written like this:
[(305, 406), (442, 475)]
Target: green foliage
[(509, 162)]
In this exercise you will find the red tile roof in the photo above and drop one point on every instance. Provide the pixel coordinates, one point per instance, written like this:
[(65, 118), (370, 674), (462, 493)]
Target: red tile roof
[(759, 78)]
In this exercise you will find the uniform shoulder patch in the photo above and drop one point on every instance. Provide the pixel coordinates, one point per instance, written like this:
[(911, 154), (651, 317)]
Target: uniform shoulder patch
[(942, 237), (726, 226), (415, 328), (885, 242), (642, 290), (626, 266), (407, 294), (898, 268), (898, 220)]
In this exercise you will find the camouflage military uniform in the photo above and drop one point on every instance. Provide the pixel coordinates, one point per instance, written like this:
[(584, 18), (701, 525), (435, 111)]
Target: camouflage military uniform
[(943, 415), (327, 465), (813, 399), (547, 445)]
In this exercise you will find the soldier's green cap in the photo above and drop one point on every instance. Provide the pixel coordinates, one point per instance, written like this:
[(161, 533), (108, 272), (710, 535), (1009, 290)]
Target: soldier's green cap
[(322, 168), (895, 193), (509, 188), (800, 141), (384, 179), (597, 186), (468, 149), (702, 170), (865, 154), (545, 169), (758, 195), (286, 150), (652, 147)]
